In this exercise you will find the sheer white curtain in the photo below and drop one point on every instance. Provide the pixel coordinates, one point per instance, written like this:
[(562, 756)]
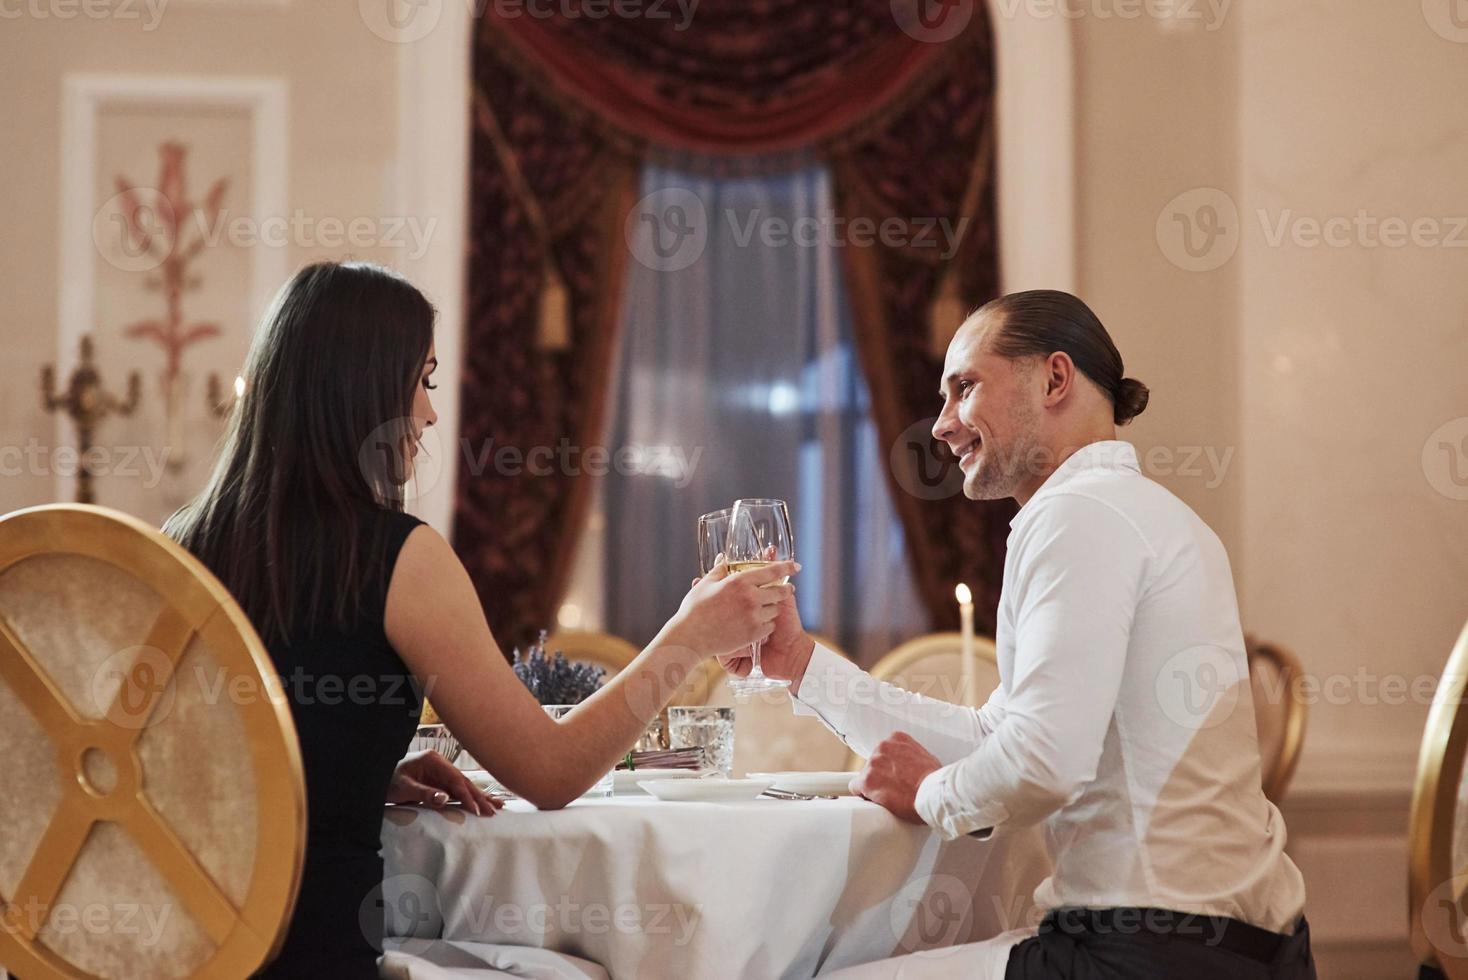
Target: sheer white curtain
[(742, 367)]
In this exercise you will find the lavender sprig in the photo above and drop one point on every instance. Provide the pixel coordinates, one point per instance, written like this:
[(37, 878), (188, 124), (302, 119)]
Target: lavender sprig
[(552, 679)]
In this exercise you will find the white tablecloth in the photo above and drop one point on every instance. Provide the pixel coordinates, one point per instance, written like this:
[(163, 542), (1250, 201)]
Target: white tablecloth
[(645, 888)]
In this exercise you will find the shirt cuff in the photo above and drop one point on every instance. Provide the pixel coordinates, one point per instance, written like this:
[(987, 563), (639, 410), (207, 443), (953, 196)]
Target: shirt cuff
[(951, 816)]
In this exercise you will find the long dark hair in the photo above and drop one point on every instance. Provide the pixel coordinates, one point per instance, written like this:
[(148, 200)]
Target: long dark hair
[(316, 449), (1040, 322)]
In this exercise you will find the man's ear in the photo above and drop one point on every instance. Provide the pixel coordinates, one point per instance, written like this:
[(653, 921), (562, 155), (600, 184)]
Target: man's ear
[(1060, 376)]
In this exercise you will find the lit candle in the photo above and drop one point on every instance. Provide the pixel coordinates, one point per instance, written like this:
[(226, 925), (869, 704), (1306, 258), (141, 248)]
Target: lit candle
[(966, 650)]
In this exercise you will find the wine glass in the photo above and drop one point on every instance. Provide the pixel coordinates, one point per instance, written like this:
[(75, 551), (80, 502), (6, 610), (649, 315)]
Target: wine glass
[(759, 533), (713, 533)]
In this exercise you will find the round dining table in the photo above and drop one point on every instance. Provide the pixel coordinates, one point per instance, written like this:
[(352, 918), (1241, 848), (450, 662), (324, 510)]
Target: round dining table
[(633, 887)]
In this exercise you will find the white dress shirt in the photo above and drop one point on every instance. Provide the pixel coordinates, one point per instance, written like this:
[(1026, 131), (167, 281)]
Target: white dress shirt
[(1124, 719)]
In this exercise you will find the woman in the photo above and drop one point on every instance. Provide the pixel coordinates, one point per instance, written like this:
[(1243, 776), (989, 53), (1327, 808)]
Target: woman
[(364, 607)]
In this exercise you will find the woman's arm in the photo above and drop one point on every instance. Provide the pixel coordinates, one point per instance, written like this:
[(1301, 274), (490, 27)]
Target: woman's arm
[(436, 624)]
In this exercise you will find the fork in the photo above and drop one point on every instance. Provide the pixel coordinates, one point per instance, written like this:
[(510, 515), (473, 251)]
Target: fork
[(783, 794)]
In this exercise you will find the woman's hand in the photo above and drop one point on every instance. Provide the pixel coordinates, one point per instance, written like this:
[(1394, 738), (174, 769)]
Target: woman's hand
[(723, 612), (429, 779)]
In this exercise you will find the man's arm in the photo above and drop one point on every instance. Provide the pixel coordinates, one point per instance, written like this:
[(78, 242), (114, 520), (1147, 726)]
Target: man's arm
[(861, 710), (864, 711)]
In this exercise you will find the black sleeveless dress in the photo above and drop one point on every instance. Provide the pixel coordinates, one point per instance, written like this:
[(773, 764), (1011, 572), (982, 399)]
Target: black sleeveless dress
[(356, 707)]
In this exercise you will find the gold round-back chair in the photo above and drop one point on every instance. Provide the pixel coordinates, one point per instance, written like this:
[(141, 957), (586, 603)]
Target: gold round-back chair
[(932, 665), (1437, 865), (153, 804), (1280, 709)]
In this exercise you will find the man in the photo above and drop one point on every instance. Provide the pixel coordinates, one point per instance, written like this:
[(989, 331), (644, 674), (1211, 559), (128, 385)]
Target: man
[(1169, 860)]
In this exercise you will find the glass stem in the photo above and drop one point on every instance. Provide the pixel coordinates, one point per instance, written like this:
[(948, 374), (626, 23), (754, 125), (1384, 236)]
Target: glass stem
[(755, 671)]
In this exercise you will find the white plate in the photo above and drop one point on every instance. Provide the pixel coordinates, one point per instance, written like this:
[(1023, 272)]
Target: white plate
[(626, 780), (811, 783), (705, 790)]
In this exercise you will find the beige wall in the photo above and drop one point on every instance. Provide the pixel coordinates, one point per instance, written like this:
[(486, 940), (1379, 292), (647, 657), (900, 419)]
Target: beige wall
[(1325, 369), (342, 135), (1351, 357)]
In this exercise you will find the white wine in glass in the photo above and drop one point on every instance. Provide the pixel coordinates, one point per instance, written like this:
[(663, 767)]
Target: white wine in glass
[(760, 533)]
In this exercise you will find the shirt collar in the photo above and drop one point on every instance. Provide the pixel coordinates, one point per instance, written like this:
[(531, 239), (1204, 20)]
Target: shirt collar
[(1108, 454)]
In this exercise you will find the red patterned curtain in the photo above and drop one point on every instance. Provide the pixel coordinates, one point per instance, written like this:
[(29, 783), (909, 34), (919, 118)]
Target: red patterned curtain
[(566, 108)]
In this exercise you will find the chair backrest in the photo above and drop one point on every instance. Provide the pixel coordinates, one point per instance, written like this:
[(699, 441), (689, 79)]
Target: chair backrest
[(152, 796), (1436, 869), (602, 649), (770, 737), (1280, 710), (932, 665)]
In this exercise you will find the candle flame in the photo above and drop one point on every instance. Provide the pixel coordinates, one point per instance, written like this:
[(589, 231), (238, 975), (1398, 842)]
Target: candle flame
[(963, 595), (239, 387)]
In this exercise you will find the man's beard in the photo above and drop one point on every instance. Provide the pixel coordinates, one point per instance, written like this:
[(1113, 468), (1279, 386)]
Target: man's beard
[(1004, 468)]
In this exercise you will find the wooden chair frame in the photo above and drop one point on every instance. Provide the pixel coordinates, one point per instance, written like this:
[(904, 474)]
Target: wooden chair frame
[(1438, 920), (1291, 673), (194, 603)]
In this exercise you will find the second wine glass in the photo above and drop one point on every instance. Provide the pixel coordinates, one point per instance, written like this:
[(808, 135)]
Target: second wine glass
[(760, 533)]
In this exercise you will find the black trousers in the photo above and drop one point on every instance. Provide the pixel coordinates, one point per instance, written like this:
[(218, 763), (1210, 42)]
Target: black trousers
[(1158, 944)]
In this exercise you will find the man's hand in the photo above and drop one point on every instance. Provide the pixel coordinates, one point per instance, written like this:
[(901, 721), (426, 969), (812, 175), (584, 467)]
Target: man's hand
[(786, 651), (893, 773), (429, 779)]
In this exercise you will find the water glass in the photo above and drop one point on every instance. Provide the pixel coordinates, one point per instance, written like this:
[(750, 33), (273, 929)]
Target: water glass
[(711, 729)]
